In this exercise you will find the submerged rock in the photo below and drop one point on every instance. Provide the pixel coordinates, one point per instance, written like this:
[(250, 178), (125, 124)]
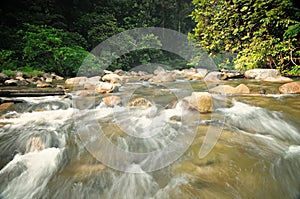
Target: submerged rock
[(226, 89), (278, 79), (290, 88), (111, 100)]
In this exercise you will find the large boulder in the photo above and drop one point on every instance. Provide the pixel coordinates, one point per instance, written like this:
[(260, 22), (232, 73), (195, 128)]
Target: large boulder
[(111, 100), (105, 87), (290, 88), (226, 89), (201, 101), (76, 80), (261, 74)]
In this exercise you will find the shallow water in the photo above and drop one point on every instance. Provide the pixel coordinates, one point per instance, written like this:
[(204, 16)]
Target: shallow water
[(52, 149)]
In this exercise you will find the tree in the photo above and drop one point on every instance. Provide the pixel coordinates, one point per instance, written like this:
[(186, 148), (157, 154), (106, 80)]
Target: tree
[(257, 31)]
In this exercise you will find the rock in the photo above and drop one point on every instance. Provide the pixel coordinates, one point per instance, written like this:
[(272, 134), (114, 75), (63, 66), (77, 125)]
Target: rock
[(20, 78), (111, 100), (278, 79), (201, 101), (226, 89), (84, 93), (7, 107), (242, 89), (19, 74), (89, 86), (49, 80), (163, 77), (140, 102), (290, 88), (47, 75), (159, 70), (56, 77), (146, 77), (12, 82), (76, 80), (112, 78), (3, 77), (40, 84), (175, 118), (34, 144), (105, 87), (261, 74), (200, 74), (213, 77), (94, 80), (119, 72)]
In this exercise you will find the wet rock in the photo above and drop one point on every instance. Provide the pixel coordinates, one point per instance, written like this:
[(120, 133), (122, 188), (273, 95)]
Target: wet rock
[(278, 79), (7, 107), (112, 78), (76, 80), (290, 88), (40, 84), (11, 82), (145, 77), (111, 100), (105, 87), (261, 74), (140, 102), (201, 101), (226, 89), (84, 93)]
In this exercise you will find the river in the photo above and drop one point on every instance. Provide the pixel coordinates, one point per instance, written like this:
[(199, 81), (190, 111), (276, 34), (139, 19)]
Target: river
[(79, 148)]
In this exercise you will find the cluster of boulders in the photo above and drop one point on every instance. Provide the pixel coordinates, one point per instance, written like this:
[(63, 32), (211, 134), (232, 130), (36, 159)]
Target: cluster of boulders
[(19, 79)]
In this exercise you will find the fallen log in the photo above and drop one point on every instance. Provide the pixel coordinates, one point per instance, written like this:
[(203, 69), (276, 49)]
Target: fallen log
[(30, 93)]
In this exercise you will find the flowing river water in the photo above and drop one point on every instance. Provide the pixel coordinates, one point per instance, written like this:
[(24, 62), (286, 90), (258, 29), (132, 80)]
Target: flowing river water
[(44, 147)]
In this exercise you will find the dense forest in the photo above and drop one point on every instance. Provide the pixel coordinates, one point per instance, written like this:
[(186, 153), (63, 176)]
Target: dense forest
[(56, 35)]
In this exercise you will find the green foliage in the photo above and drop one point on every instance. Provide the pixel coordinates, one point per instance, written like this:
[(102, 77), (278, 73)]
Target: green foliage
[(261, 33), (9, 73), (7, 59), (51, 50)]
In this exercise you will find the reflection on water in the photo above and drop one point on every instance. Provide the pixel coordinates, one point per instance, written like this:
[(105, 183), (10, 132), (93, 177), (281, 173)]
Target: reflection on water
[(257, 155)]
